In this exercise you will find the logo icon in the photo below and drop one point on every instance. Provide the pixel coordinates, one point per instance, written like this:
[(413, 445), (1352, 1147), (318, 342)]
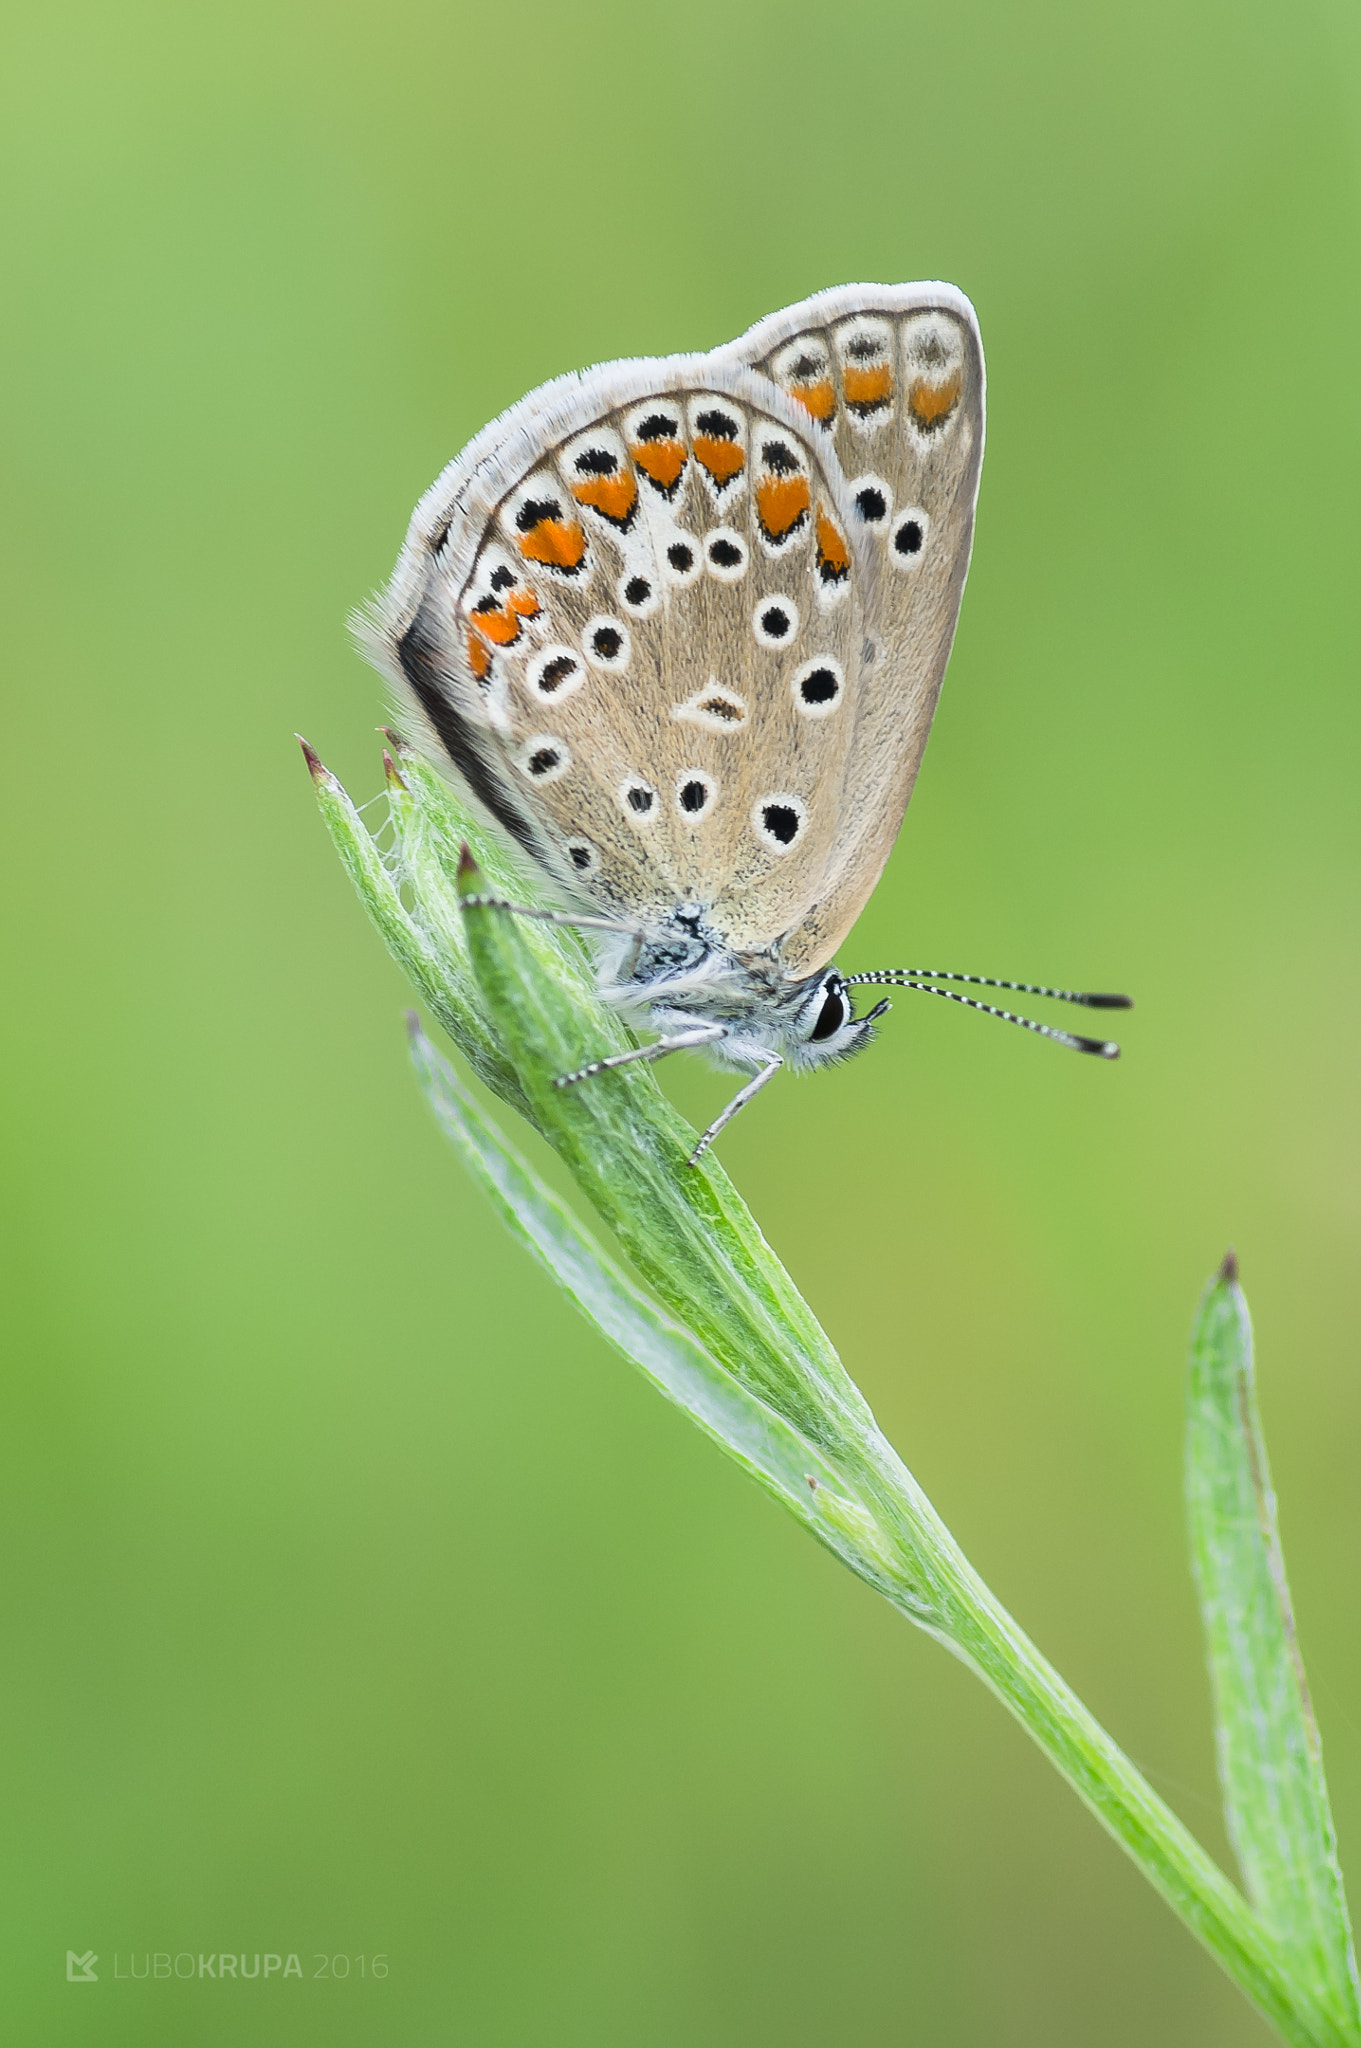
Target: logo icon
[(80, 1969)]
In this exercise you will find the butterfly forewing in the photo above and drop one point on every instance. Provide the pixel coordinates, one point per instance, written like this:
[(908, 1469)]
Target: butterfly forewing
[(891, 379), (637, 627)]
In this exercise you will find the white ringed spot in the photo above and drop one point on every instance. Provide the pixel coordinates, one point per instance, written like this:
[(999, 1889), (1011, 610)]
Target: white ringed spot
[(696, 795), (873, 501), (778, 820), (682, 557), (725, 554), (775, 621), (907, 537), (554, 673), (818, 686), (543, 758), (638, 801), (713, 707), (638, 595), (606, 643)]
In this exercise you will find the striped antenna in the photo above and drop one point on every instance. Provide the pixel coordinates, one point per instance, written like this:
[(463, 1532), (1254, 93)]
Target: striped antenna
[(923, 978)]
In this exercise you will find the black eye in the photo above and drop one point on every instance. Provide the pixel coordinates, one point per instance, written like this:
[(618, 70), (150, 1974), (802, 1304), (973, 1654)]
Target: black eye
[(834, 1013)]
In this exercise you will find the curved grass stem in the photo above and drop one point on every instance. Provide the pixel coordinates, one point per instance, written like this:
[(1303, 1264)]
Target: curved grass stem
[(732, 1342)]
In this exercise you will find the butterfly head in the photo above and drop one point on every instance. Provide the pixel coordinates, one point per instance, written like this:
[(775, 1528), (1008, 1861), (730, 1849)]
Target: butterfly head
[(825, 1028)]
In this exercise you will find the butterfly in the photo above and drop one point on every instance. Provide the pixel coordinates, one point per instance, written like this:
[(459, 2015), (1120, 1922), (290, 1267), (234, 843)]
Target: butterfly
[(679, 626)]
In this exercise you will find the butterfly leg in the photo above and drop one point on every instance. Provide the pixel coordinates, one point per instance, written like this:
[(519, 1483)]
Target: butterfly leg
[(563, 917), (677, 1041), (739, 1101)]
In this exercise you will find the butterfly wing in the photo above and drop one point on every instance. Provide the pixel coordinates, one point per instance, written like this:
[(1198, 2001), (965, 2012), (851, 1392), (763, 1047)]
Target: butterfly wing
[(633, 614), (890, 378)]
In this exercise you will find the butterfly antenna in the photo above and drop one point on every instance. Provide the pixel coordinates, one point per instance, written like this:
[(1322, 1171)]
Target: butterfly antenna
[(923, 978)]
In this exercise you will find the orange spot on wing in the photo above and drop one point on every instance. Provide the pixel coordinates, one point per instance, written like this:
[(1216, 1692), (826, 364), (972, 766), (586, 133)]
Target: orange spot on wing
[(555, 541), (479, 654), (661, 462), (500, 623), (782, 502), (931, 404), (834, 557), (723, 459), (818, 399), (502, 628), (615, 495), (867, 389)]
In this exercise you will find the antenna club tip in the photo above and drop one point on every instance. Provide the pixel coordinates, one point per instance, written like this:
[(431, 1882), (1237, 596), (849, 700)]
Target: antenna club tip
[(1100, 1002), (1228, 1270)]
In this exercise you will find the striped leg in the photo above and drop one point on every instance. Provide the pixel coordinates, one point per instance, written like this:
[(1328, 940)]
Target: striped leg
[(679, 1041), (739, 1101), (565, 917)]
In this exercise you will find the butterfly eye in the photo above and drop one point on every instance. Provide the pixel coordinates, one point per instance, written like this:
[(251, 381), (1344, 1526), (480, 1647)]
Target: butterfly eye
[(834, 1014)]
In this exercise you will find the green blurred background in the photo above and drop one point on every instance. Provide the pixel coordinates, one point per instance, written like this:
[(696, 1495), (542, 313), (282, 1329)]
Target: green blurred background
[(358, 1601)]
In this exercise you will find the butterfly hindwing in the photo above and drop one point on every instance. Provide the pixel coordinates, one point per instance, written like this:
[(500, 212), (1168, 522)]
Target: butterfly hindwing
[(633, 613)]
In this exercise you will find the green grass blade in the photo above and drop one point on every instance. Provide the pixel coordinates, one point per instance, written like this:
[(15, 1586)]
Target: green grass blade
[(763, 1443), (434, 965), (744, 1354), (1270, 1760), (686, 1229)]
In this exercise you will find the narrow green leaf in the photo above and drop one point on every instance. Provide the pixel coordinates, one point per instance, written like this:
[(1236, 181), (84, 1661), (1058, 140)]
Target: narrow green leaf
[(745, 1355), (435, 967), (800, 1477), (686, 1229), (1270, 1760)]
